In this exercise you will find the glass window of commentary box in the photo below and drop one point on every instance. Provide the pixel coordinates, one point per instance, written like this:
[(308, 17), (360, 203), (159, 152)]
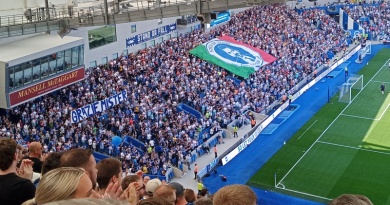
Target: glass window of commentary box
[(133, 28), (114, 56), (101, 36), (125, 52), (45, 67)]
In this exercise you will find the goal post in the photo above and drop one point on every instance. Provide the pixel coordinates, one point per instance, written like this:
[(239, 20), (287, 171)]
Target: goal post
[(354, 82)]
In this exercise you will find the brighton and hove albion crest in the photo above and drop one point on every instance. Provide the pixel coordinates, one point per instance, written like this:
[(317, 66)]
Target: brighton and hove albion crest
[(235, 54)]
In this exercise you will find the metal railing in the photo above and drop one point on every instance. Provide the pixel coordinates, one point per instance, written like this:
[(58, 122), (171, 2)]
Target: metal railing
[(33, 17), (96, 13), (40, 14)]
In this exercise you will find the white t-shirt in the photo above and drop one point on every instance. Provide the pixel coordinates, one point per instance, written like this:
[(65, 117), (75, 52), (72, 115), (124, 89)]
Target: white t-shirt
[(151, 142)]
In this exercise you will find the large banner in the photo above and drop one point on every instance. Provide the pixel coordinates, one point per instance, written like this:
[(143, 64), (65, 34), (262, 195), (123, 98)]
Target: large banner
[(222, 17), (45, 87), (149, 35), (96, 107), (236, 57)]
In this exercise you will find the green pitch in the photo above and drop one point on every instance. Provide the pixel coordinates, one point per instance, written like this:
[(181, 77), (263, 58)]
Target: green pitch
[(344, 148)]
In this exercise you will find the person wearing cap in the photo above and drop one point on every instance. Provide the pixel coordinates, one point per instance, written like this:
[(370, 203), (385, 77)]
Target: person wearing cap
[(150, 187), (180, 199)]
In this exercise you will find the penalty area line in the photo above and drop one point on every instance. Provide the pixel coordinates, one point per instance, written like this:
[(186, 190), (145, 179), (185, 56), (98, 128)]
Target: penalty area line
[(307, 129), (304, 193)]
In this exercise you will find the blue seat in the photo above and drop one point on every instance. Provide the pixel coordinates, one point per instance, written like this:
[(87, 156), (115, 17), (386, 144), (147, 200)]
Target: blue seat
[(213, 142), (170, 176), (200, 152), (193, 158), (99, 156), (187, 109), (174, 161)]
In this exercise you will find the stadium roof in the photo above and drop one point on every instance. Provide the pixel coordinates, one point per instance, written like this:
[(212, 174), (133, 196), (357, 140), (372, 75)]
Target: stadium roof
[(36, 47)]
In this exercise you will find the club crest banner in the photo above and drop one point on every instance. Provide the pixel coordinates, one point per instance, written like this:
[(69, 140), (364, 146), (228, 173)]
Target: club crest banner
[(236, 57)]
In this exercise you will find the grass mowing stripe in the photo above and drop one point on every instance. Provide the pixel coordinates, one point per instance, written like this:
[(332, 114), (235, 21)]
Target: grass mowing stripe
[(331, 124), (351, 147)]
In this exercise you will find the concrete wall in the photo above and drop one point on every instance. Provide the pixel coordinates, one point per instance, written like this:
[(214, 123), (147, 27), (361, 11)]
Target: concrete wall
[(123, 31)]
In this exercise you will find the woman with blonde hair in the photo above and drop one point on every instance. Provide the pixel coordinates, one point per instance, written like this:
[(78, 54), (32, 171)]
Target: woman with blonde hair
[(61, 184)]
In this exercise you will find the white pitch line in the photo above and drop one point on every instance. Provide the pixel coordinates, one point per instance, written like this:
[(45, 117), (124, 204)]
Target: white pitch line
[(367, 118), (304, 193), (358, 148), (377, 81), (384, 111), (331, 124), (307, 129)]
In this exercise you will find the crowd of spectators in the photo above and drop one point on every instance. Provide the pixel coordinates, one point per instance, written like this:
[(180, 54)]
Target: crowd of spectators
[(158, 78), (73, 177), (374, 19)]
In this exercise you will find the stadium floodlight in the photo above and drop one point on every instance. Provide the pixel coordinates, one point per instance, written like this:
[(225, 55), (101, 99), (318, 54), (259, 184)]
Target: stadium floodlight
[(353, 82)]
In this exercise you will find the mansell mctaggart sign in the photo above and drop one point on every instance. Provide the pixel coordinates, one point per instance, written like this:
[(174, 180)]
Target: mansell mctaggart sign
[(45, 87)]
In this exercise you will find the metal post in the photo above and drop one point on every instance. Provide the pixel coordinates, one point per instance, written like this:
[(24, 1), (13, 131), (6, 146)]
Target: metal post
[(106, 11), (116, 6), (275, 179), (47, 9)]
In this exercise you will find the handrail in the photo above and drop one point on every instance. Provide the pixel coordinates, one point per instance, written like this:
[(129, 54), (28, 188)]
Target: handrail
[(34, 15)]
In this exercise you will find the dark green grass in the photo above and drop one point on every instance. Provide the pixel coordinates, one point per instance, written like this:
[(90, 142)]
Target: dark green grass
[(352, 156)]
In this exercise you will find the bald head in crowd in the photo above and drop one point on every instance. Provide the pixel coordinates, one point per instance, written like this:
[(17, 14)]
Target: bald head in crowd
[(351, 199), (236, 194), (166, 192), (34, 154), (203, 201)]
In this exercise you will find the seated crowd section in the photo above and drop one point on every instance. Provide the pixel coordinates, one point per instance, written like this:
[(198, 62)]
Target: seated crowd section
[(159, 78), (374, 19)]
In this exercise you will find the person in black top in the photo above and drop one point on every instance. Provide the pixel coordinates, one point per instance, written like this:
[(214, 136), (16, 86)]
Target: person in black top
[(35, 153), (14, 188), (383, 88)]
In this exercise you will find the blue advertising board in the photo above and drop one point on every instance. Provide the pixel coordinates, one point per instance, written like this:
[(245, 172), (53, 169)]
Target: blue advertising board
[(146, 36), (354, 33), (222, 16)]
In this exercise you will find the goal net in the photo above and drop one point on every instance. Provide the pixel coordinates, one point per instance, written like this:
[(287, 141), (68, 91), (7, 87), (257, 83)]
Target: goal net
[(354, 82), (366, 49)]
